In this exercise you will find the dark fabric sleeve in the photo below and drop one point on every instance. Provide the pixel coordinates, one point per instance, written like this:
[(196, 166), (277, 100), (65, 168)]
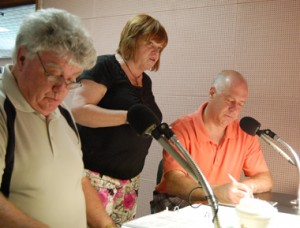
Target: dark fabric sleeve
[(101, 72)]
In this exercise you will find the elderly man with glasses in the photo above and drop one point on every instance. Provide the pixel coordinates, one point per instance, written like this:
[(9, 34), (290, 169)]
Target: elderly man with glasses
[(41, 170)]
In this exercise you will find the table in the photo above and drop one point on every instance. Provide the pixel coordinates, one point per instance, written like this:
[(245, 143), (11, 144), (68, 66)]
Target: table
[(283, 201), (189, 217)]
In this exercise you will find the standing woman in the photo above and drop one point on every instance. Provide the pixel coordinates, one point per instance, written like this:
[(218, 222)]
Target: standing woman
[(113, 153)]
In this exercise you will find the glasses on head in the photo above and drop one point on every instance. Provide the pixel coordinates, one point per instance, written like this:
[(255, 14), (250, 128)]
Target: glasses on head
[(58, 80)]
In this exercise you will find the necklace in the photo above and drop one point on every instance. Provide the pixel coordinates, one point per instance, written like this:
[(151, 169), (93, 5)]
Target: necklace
[(135, 77)]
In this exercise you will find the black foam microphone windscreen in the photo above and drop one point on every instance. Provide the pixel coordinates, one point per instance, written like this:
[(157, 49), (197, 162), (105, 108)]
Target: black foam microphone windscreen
[(141, 118), (249, 125)]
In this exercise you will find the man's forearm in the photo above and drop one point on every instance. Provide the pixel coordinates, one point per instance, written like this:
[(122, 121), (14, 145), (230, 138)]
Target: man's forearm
[(184, 187), (260, 183), (11, 216)]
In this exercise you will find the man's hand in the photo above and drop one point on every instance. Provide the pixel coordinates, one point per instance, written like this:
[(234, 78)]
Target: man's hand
[(232, 192)]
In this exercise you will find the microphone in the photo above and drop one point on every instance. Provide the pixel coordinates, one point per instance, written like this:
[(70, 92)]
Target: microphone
[(142, 119), (251, 126), (144, 122)]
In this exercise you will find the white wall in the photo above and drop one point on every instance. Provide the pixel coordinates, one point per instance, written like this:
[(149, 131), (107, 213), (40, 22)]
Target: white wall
[(5, 61), (259, 38)]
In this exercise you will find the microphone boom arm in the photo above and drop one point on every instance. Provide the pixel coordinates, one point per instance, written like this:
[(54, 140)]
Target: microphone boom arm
[(296, 158), (251, 126), (295, 162), (277, 148), (164, 143), (190, 165)]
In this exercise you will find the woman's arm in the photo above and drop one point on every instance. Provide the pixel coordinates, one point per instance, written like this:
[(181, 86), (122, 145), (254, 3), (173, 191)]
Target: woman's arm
[(87, 113)]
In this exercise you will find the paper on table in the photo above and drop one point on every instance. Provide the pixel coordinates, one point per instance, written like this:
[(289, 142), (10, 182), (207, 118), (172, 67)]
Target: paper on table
[(185, 218), (174, 219), (201, 217)]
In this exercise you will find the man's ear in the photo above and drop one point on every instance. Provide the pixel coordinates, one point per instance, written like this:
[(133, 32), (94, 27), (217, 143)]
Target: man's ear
[(21, 57), (212, 91)]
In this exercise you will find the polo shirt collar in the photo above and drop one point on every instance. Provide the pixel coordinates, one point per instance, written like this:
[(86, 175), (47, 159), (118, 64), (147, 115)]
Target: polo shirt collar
[(202, 133)]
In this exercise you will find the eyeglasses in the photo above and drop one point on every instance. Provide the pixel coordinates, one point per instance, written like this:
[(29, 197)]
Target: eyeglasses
[(153, 47), (58, 80)]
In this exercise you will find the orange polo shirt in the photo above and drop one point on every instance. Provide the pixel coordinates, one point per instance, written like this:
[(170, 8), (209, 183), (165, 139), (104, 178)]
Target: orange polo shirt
[(236, 153)]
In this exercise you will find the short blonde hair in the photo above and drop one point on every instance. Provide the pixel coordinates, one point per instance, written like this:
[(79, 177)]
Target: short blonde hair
[(141, 27)]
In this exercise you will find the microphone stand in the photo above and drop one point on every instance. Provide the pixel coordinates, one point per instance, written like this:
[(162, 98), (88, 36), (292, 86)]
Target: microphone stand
[(277, 148), (164, 143), (296, 161), (198, 176)]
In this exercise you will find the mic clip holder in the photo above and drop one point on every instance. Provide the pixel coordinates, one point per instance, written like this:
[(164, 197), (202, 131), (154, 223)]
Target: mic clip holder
[(162, 129), (267, 132)]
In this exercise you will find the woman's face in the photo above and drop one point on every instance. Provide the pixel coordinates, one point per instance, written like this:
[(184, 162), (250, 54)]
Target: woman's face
[(147, 54)]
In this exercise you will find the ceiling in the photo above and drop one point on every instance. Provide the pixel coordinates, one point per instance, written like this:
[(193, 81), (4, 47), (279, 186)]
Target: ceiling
[(12, 13), (11, 3)]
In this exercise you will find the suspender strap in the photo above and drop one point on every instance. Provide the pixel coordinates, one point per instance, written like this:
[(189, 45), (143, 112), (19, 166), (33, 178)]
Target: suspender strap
[(10, 155), (69, 119)]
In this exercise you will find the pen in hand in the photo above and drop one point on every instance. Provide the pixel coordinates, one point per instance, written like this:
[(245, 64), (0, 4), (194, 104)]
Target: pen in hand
[(235, 181)]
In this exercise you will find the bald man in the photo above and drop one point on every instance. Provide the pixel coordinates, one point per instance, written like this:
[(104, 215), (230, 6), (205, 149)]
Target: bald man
[(219, 146)]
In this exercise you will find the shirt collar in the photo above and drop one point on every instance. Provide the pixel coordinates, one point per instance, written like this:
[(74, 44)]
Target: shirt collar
[(202, 134)]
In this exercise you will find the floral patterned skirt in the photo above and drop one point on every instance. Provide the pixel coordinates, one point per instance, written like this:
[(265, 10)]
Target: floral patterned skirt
[(119, 197)]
